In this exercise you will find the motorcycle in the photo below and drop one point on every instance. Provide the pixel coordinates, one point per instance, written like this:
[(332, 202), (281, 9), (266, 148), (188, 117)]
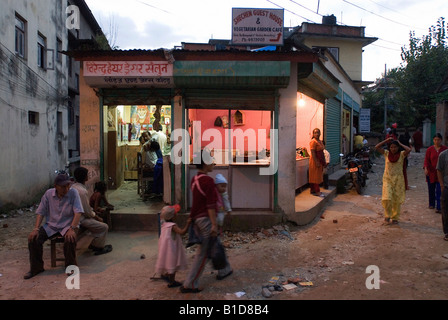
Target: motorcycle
[(364, 156), (65, 171), (355, 172)]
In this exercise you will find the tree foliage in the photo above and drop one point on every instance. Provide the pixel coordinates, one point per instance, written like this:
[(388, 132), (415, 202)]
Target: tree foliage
[(424, 66)]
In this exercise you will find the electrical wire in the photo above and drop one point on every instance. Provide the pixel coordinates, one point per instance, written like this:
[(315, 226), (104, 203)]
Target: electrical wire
[(309, 20), (378, 15), (15, 64), (149, 5)]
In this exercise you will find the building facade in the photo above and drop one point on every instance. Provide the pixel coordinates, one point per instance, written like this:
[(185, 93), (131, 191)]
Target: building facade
[(38, 94)]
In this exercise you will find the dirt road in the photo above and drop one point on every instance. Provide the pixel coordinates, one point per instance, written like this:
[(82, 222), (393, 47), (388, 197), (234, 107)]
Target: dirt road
[(329, 257)]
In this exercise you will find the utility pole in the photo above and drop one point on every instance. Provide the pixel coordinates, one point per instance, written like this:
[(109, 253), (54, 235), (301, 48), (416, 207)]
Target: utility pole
[(385, 99)]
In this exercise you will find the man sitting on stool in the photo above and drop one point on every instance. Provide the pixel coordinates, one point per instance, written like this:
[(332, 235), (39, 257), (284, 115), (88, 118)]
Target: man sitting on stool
[(62, 209)]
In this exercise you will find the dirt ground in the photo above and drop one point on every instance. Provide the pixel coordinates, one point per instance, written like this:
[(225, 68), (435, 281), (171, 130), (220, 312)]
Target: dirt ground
[(331, 255)]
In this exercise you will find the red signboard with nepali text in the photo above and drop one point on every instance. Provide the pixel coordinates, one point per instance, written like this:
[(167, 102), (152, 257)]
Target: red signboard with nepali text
[(128, 73)]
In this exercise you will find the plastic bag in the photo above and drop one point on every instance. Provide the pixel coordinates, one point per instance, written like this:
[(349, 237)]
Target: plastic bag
[(217, 253)]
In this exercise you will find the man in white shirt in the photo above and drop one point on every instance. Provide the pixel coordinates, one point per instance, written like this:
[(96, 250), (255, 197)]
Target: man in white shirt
[(89, 220)]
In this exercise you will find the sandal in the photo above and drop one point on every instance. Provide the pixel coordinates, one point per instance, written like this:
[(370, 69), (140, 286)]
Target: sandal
[(174, 284), (189, 290)]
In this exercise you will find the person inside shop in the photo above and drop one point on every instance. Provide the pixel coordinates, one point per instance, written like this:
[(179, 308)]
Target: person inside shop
[(62, 209), (159, 136), (89, 219), (316, 164), (144, 139), (157, 186)]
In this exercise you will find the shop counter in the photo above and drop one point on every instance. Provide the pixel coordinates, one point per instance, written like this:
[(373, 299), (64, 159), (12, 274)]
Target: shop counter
[(302, 166), (246, 187)]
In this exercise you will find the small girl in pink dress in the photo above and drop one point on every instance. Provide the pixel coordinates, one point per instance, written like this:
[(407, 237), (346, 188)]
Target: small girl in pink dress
[(172, 256)]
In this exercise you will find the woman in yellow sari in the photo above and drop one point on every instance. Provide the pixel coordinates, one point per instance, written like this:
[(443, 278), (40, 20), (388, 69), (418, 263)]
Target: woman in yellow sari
[(394, 189)]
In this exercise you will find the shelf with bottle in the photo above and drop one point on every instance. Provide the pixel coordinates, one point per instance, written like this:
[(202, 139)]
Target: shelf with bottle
[(302, 153)]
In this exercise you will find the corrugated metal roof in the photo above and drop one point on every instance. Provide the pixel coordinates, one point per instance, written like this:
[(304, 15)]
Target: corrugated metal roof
[(182, 54)]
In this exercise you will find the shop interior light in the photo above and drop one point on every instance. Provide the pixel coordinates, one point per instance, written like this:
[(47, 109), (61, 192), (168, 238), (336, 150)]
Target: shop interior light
[(300, 100)]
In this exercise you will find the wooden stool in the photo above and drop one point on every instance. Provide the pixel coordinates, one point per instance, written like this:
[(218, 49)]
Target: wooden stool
[(106, 218), (54, 258)]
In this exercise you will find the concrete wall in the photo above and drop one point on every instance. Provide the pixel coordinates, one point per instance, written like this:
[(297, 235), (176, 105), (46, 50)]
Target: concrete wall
[(30, 153), (287, 143), (350, 54), (90, 127)]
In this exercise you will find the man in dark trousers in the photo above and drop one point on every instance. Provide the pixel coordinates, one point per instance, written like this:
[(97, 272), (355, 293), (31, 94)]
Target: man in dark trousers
[(62, 209)]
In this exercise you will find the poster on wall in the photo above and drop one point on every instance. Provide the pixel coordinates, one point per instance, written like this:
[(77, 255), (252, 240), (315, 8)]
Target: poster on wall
[(257, 26)]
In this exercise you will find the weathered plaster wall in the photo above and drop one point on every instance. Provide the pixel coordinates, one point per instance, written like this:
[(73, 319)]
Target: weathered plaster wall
[(90, 128), (30, 153), (287, 143)]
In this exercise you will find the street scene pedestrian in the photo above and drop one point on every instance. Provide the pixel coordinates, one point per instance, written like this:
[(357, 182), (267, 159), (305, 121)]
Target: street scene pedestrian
[(430, 164), (332, 252), (203, 214), (171, 257), (394, 189)]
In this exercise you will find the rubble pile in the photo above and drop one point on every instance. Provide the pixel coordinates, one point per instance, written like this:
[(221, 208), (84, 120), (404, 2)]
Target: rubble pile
[(237, 239)]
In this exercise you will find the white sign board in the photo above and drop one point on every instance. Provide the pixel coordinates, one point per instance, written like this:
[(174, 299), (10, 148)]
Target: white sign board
[(364, 120), (257, 26)]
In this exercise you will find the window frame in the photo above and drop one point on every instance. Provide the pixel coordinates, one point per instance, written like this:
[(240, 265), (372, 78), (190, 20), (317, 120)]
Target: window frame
[(20, 36), (41, 51)]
